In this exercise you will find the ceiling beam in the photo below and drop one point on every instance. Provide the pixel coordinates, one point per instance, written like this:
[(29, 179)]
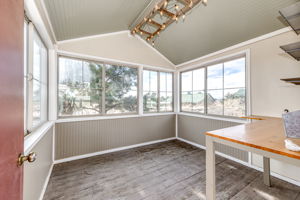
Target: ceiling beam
[(167, 13), (162, 10), (155, 23), (145, 32)]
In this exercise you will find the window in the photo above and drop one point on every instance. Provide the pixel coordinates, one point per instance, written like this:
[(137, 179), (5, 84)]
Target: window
[(90, 88), (165, 92), (80, 87), (36, 67), (120, 89), (218, 89), (150, 91), (193, 98), (157, 91), (215, 89)]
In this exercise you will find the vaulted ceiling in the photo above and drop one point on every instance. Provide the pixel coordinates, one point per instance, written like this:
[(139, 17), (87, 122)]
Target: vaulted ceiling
[(220, 24), (79, 18)]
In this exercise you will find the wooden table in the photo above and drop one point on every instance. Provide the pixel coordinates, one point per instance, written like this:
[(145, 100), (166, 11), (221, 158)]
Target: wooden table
[(264, 136)]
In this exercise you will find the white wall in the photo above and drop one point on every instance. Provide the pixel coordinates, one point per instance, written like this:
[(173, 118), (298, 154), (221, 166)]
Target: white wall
[(269, 95), (119, 46)]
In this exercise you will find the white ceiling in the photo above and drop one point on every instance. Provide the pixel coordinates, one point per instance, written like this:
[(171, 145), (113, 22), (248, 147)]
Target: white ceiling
[(222, 23), (79, 18)]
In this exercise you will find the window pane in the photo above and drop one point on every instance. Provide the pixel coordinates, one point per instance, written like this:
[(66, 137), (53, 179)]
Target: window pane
[(235, 102), (198, 101), (70, 72), (187, 93), (92, 75), (36, 61), (215, 77), (186, 101), (150, 101), (169, 82), (153, 81), (163, 81), (120, 89), (186, 81), (198, 79), (36, 103), (37, 87), (166, 91), (215, 102), (78, 101), (163, 101), (80, 86), (150, 91), (146, 80), (166, 102), (169, 102), (234, 73)]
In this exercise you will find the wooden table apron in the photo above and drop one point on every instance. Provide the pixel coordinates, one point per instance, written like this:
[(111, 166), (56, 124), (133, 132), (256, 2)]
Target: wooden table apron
[(210, 161)]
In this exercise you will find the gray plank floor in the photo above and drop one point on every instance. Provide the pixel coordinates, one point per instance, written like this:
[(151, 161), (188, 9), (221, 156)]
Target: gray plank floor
[(165, 171)]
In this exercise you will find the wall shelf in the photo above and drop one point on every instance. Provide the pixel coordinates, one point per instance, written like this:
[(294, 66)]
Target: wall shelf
[(295, 81), (292, 15), (292, 49)]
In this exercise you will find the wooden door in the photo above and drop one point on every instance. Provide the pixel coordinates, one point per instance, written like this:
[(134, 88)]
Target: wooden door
[(11, 98)]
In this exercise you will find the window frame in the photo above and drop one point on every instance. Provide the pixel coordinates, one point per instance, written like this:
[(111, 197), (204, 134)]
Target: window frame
[(32, 32), (244, 54), (103, 64), (158, 90)]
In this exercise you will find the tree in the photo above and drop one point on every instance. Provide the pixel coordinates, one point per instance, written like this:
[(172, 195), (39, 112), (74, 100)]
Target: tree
[(86, 95), (119, 81)]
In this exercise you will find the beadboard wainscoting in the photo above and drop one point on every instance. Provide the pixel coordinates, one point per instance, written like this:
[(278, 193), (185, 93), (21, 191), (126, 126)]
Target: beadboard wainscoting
[(87, 137), (192, 129), (36, 174)]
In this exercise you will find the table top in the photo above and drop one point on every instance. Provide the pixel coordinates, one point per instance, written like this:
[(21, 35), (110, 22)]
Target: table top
[(265, 133)]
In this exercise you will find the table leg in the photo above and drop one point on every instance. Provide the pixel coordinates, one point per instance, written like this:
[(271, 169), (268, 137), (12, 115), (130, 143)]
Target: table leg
[(210, 169), (267, 179)]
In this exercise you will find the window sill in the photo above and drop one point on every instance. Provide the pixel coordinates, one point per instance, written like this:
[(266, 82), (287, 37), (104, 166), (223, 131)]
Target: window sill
[(31, 140), (78, 119), (237, 120)]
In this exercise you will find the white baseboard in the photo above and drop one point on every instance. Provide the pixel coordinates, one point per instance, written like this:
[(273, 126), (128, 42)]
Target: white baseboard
[(46, 183), (110, 150), (287, 179)]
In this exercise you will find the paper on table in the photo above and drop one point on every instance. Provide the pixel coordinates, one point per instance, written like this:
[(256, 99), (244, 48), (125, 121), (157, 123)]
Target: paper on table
[(290, 145)]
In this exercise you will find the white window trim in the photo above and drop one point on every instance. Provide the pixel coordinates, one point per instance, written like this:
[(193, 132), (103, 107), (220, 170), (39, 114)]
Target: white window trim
[(31, 140), (158, 90), (246, 53), (176, 87), (83, 118), (31, 32), (140, 112), (102, 113)]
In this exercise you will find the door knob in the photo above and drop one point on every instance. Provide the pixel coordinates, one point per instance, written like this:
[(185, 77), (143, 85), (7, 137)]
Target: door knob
[(31, 157)]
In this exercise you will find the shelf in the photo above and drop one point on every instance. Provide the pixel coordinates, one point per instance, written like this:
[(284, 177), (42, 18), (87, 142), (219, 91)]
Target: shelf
[(292, 49), (292, 15), (295, 81)]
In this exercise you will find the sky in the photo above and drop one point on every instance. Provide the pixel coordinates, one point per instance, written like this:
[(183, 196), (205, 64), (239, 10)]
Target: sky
[(234, 77)]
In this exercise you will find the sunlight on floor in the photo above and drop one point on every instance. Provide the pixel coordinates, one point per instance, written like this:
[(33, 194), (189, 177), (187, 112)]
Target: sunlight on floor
[(199, 194), (142, 193), (265, 195), (231, 167)]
